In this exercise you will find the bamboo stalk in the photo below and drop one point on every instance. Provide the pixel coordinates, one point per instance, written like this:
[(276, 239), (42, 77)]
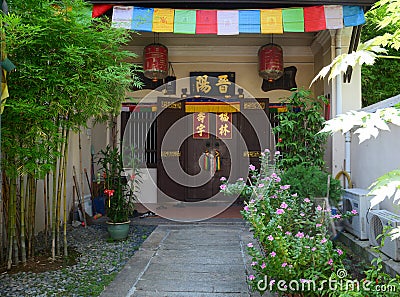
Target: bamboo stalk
[(53, 213), (46, 227), (59, 188), (22, 214), (32, 214), (11, 226), (65, 193)]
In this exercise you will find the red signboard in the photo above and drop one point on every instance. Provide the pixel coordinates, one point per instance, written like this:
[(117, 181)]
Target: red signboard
[(224, 125), (201, 127)]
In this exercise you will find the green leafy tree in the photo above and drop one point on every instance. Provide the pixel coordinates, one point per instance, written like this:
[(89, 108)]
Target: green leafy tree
[(297, 132), (379, 81), (70, 68), (369, 124)]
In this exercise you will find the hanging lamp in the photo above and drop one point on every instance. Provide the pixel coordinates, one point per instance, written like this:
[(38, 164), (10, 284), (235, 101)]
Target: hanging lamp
[(270, 62), (155, 64)]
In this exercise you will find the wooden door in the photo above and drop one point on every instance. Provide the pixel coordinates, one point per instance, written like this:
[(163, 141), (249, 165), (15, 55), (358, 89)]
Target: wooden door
[(214, 147)]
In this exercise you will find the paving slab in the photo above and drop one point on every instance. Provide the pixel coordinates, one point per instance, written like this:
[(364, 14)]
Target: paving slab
[(188, 260)]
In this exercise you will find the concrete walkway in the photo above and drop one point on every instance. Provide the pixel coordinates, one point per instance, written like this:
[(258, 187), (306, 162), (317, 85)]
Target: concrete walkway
[(188, 260)]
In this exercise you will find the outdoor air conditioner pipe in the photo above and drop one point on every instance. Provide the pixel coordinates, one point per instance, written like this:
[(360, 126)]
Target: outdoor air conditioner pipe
[(338, 50), (347, 152)]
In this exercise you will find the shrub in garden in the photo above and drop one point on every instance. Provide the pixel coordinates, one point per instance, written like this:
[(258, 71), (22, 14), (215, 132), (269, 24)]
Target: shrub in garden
[(293, 234), (311, 182), (298, 128)]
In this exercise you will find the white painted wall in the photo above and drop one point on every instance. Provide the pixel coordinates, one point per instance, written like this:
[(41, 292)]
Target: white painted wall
[(375, 157)]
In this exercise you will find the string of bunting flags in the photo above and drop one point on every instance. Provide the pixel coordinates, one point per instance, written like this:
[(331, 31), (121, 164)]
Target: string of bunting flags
[(234, 22)]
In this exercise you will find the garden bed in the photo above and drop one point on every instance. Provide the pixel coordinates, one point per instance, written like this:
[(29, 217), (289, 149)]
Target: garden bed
[(94, 262)]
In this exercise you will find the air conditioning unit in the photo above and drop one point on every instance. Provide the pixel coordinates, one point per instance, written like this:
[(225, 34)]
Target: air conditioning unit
[(357, 199), (378, 219)]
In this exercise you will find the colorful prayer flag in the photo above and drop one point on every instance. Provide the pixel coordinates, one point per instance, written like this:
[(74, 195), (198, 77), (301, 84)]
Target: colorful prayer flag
[(353, 15), (333, 16), (100, 9), (163, 20), (314, 18), (206, 22), (249, 21), (271, 21), (228, 22), (122, 17), (142, 19), (293, 19), (185, 21)]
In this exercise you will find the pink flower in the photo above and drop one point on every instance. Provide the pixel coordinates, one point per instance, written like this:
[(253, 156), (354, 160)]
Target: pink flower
[(323, 240), (251, 277), (274, 197), (222, 187), (263, 265), (279, 227), (267, 151), (284, 205), (285, 187), (302, 214), (337, 216), (271, 282), (252, 201), (314, 249), (339, 251), (288, 233), (261, 185), (246, 208), (254, 263), (330, 262), (262, 154), (318, 225), (284, 264), (354, 212), (299, 235), (280, 211), (252, 167), (274, 175), (278, 179), (240, 179), (270, 237), (307, 200), (272, 254), (277, 153), (222, 179), (250, 245), (319, 208)]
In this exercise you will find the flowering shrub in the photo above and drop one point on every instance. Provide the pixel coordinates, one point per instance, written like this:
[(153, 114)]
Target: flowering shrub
[(292, 232)]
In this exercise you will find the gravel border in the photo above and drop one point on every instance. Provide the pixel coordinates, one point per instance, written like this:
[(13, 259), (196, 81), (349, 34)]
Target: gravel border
[(99, 263)]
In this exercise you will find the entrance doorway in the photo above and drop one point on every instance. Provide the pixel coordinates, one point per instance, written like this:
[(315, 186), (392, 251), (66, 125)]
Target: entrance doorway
[(191, 158)]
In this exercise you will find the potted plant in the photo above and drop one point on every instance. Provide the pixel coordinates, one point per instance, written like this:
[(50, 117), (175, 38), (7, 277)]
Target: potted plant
[(119, 192)]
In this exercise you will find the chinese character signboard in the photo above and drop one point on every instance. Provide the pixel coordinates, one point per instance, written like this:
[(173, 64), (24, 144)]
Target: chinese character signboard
[(224, 125), (219, 84), (201, 125)]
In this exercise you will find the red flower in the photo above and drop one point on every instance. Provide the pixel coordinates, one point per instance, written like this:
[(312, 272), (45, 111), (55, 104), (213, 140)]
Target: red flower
[(109, 192), (133, 176)]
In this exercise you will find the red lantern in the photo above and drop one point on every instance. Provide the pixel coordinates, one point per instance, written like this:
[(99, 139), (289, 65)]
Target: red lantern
[(270, 62), (155, 64)]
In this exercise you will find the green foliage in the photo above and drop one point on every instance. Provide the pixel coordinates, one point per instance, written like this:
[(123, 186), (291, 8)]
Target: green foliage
[(293, 235), (311, 182), (119, 192), (70, 68), (299, 140), (379, 81)]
